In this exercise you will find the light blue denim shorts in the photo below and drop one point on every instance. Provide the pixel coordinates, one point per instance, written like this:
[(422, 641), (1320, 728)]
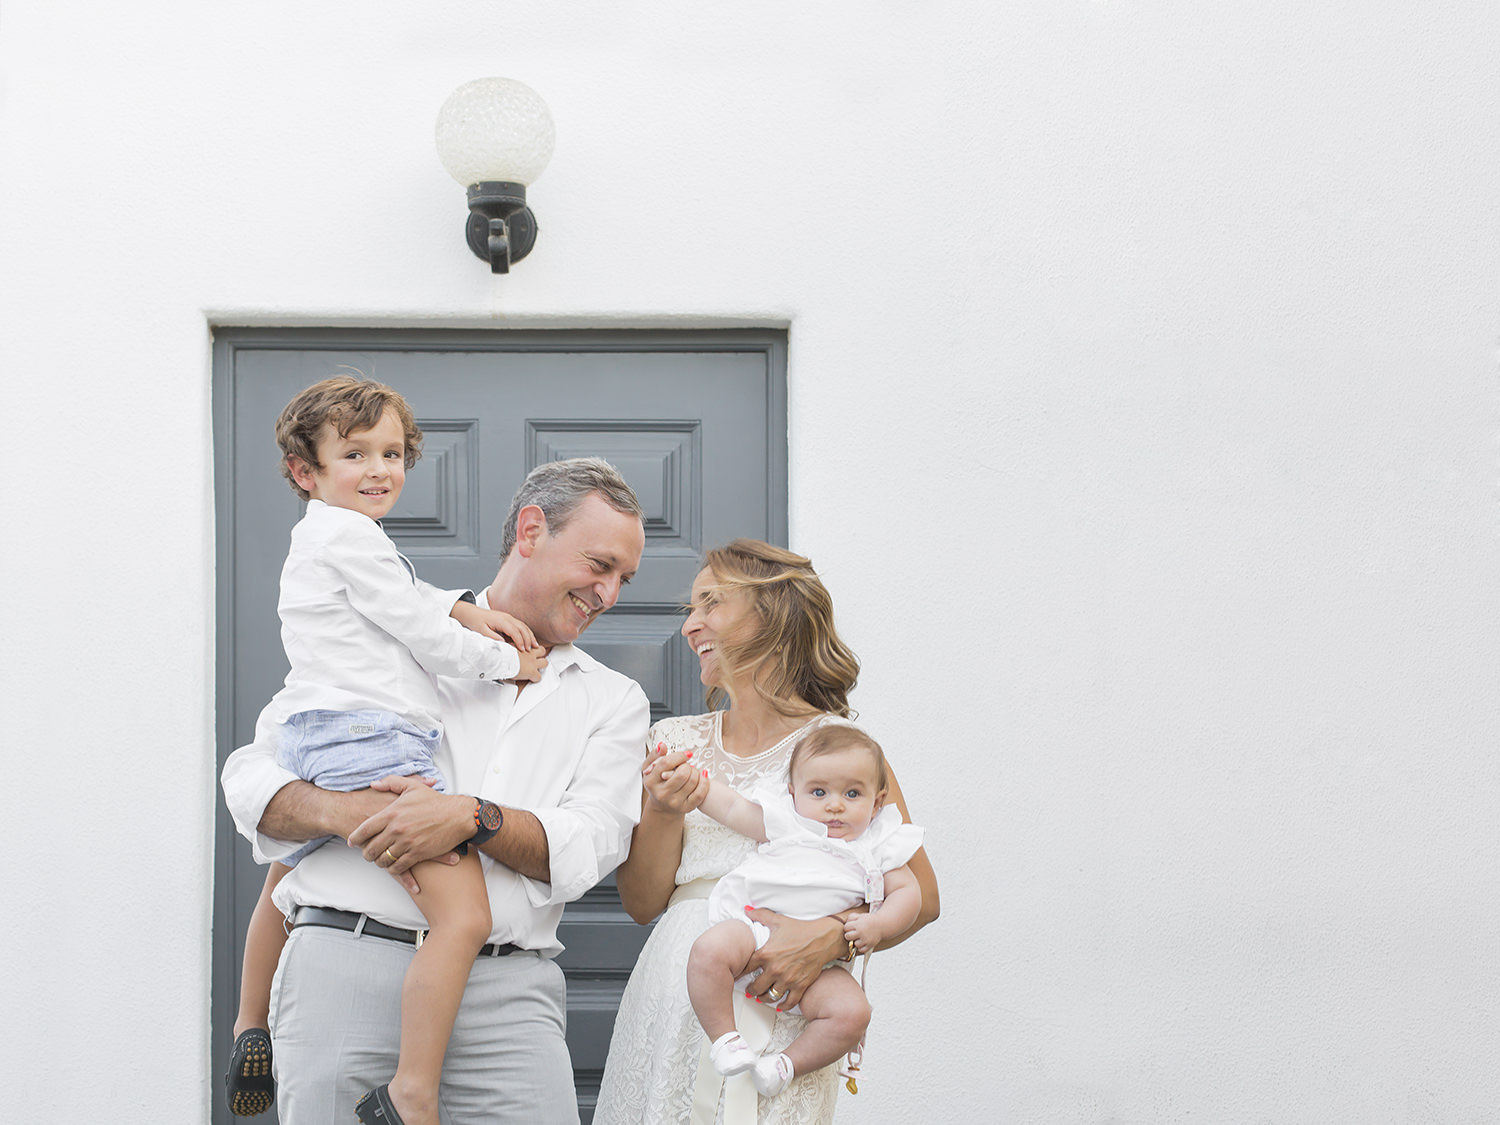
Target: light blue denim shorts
[(349, 750)]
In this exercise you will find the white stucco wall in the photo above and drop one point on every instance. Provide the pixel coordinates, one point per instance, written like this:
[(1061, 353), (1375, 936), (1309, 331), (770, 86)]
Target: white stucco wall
[(1143, 421)]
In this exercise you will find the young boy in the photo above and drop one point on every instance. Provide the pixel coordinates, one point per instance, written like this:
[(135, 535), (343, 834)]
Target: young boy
[(363, 635), (828, 843)]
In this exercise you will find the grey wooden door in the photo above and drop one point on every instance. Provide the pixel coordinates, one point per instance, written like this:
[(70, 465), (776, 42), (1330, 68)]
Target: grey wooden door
[(696, 421)]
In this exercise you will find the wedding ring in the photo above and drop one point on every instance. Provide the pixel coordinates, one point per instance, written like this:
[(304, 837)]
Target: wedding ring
[(775, 996), (394, 858)]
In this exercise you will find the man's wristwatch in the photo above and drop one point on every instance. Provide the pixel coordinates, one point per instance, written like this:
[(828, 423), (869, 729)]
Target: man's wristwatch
[(487, 821)]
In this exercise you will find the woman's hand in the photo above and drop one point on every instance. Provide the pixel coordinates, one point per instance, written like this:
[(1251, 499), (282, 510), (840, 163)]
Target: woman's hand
[(673, 784), (793, 956)]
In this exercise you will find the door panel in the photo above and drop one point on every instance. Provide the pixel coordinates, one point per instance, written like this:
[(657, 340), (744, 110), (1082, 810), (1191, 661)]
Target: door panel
[(695, 421)]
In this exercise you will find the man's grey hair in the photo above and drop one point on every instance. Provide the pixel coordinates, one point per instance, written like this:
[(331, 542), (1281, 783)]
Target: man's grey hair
[(559, 487)]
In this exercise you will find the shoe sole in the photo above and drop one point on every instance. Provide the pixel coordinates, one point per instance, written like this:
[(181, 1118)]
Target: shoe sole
[(255, 1063)]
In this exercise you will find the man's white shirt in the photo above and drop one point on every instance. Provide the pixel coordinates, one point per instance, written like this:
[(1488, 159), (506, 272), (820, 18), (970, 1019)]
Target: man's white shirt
[(568, 749)]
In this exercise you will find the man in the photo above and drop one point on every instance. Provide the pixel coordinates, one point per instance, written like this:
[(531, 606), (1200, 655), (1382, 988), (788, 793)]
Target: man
[(544, 779)]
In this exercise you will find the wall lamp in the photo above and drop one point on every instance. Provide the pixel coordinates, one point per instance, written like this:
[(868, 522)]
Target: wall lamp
[(495, 136)]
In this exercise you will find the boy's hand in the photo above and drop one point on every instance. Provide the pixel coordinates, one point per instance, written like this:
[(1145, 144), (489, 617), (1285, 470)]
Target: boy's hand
[(495, 624), (864, 931), (532, 662)]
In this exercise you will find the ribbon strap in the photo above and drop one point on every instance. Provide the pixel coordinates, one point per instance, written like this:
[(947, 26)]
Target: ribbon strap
[(698, 888), (754, 1023), (741, 1100)]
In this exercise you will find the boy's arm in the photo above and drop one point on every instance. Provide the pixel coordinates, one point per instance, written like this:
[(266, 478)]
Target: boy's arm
[(501, 626), (380, 589), (734, 811), (445, 601), (903, 902)]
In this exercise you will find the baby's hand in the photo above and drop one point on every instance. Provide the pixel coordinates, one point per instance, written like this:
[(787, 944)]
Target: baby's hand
[(532, 662), (864, 931)]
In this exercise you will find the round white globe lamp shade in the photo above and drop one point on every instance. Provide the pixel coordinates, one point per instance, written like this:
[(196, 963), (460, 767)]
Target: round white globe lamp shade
[(494, 129)]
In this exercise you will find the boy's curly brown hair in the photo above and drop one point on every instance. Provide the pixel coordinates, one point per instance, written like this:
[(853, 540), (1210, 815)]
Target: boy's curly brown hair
[(347, 402)]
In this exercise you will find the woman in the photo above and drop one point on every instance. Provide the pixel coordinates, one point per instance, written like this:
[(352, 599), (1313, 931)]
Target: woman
[(761, 623)]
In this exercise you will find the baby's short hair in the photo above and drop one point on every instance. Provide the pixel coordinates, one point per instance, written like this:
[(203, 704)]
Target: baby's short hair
[(833, 737), (349, 403)]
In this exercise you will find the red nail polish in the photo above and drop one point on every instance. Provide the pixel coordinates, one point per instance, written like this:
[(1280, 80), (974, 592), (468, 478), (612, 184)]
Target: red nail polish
[(689, 753)]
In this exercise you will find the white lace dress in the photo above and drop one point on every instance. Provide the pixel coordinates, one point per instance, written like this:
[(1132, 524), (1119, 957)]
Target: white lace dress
[(652, 1068)]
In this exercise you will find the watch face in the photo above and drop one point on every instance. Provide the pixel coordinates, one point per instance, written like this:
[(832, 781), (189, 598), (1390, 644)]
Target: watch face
[(488, 816)]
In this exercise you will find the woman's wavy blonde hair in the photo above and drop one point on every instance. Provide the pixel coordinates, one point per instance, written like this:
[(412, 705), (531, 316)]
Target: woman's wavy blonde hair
[(796, 652)]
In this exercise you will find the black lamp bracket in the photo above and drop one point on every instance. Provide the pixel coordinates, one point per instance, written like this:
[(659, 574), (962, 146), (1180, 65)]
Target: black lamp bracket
[(501, 228)]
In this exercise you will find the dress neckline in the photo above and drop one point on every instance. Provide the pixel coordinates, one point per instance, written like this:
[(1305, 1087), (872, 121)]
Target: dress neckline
[(781, 745)]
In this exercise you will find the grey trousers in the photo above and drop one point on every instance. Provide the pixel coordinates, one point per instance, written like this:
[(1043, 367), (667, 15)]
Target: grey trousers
[(336, 1028)]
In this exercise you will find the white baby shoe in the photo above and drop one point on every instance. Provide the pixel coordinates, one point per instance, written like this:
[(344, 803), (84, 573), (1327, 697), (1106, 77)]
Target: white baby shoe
[(731, 1055), (770, 1074)]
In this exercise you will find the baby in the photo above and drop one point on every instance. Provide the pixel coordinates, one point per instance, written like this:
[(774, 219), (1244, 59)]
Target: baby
[(828, 843)]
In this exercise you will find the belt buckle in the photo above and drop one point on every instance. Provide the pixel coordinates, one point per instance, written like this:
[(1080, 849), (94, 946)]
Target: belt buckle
[(421, 937)]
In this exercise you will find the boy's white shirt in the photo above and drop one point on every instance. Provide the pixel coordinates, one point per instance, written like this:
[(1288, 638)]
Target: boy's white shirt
[(362, 633)]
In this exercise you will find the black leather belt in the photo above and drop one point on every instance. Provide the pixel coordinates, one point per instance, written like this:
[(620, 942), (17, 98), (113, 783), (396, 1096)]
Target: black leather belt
[(348, 920)]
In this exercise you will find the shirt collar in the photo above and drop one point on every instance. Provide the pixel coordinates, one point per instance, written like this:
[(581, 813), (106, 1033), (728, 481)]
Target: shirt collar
[(314, 505)]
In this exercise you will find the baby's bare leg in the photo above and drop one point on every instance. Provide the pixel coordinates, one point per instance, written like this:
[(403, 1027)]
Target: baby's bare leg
[(718, 957), (264, 938), (837, 1015), (457, 909)]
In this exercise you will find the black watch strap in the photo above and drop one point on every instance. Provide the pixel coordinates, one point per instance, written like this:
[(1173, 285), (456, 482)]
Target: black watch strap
[(487, 821)]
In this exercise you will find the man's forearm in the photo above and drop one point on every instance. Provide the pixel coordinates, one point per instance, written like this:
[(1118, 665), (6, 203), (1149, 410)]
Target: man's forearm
[(521, 844), (302, 811)]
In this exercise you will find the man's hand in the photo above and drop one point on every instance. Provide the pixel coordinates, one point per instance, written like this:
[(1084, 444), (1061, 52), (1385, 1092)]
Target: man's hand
[(419, 824)]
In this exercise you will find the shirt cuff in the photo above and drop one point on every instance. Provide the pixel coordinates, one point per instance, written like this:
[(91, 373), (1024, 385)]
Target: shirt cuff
[(249, 786), (507, 663), (575, 864)]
